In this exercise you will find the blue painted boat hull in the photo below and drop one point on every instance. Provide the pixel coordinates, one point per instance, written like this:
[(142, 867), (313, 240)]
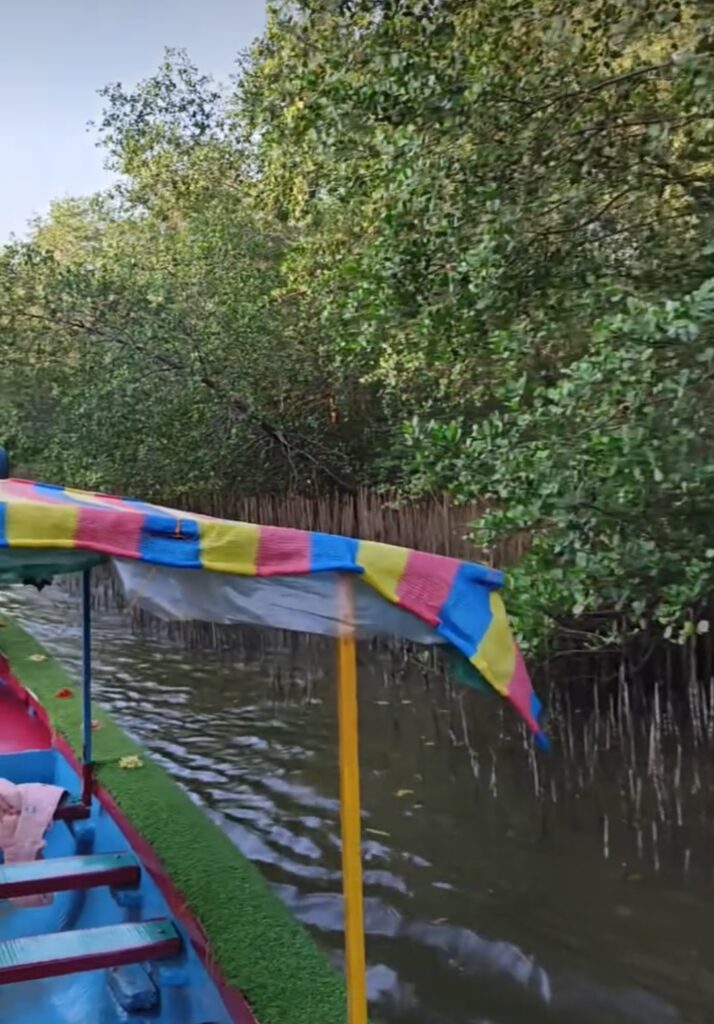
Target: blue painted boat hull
[(174, 990)]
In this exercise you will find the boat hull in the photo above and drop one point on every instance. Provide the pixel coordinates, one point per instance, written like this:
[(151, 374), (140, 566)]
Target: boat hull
[(261, 961), (80, 958)]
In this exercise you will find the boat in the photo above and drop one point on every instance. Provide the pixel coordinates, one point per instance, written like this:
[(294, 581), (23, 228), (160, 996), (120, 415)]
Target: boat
[(131, 906)]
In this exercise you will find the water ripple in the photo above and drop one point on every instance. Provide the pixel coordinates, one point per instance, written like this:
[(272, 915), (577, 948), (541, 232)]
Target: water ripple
[(477, 910)]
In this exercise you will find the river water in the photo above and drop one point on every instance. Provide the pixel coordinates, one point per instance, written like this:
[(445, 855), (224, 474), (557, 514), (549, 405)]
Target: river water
[(500, 887)]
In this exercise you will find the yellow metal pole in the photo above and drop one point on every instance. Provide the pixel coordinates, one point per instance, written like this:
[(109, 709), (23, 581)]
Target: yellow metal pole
[(350, 811)]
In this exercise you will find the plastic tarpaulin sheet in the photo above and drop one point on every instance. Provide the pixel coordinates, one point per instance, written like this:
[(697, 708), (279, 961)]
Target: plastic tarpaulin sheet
[(458, 601), (307, 604)]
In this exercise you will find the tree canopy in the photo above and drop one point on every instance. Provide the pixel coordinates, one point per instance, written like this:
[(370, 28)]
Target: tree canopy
[(461, 248)]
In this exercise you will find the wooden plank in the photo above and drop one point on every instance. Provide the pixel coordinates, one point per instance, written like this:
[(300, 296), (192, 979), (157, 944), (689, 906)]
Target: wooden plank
[(71, 809), (91, 949), (61, 874)]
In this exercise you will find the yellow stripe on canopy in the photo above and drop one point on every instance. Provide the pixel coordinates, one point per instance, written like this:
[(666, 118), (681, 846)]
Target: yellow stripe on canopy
[(383, 566), (496, 655), (229, 547), (40, 526)]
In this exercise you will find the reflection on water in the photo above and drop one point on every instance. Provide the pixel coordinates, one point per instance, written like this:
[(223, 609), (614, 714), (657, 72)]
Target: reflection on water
[(497, 890)]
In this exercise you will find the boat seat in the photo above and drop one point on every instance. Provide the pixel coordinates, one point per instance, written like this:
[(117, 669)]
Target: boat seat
[(90, 949), (60, 874)]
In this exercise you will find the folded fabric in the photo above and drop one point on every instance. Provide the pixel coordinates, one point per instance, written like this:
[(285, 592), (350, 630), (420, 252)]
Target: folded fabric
[(26, 812)]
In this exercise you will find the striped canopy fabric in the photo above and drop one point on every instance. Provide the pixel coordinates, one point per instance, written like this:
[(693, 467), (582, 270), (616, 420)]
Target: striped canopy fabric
[(459, 600)]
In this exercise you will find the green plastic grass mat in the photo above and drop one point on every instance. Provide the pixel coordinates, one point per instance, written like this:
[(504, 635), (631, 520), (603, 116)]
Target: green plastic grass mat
[(262, 950)]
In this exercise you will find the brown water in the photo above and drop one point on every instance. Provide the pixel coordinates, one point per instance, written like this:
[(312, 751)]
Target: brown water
[(499, 888)]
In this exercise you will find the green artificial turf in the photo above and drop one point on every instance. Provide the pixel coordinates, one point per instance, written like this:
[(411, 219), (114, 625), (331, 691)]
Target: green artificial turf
[(262, 950)]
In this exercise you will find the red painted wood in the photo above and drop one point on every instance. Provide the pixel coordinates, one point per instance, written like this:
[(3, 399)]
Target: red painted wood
[(72, 810), (10, 973), (19, 730), (63, 880)]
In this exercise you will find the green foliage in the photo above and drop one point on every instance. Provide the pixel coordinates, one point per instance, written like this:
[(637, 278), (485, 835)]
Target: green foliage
[(171, 139), (458, 169), (147, 341), (506, 208), (609, 470), (465, 247)]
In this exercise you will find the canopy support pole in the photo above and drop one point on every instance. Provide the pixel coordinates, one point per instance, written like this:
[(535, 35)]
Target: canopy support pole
[(350, 811), (87, 766)]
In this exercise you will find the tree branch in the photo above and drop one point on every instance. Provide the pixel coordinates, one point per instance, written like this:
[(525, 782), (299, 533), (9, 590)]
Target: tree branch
[(287, 445)]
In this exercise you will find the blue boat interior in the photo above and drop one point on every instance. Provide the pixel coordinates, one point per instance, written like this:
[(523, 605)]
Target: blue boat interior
[(106, 910)]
